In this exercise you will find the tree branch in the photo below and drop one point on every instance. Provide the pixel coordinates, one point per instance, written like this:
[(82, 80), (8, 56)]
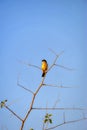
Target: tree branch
[(57, 56), (70, 69), (60, 108), (13, 113), (51, 85), (32, 102), (34, 94), (24, 87), (54, 106), (35, 66)]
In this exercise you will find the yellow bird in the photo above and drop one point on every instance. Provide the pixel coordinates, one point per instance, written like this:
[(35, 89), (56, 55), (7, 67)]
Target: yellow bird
[(44, 67)]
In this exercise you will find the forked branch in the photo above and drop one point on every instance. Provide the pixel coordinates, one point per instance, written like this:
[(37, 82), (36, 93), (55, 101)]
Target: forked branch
[(31, 105)]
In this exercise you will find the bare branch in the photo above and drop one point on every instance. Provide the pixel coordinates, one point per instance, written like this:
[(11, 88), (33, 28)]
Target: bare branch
[(55, 60), (60, 108), (32, 102), (13, 113), (24, 87), (35, 66), (14, 101), (58, 64), (64, 117), (55, 52), (56, 103), (51, 85), (70, 69)]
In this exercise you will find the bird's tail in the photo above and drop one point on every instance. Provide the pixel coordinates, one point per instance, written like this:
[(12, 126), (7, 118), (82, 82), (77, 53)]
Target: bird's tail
[(43, 74)]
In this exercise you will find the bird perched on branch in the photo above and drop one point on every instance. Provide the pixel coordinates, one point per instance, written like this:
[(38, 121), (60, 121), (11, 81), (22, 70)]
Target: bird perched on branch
[(44, 67)]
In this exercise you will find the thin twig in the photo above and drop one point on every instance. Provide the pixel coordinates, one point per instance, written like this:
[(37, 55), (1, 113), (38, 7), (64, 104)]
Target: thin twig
[(67, 68), (55, 60), (58, 108), (55, 52), (52, 51), (35, 66), (13, 113), (64, 117), (24, 86), (14, 101), (70, 69), (56, 103), (51, 85)]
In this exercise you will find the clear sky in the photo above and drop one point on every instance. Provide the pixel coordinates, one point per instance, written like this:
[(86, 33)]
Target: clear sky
[(27, 30)]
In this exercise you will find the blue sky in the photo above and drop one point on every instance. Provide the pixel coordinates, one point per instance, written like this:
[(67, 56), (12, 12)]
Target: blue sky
[(28, 29)]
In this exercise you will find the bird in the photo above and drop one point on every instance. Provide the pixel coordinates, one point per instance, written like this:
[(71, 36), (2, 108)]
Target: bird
[(44, 67)]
